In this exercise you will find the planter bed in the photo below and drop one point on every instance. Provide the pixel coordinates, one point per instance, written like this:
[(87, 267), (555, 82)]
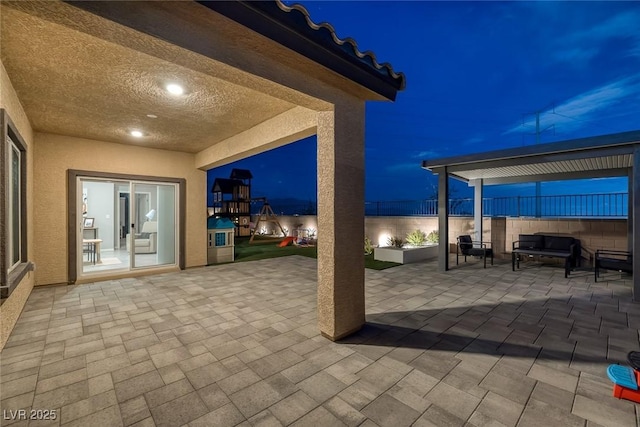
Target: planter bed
[(405, 255)]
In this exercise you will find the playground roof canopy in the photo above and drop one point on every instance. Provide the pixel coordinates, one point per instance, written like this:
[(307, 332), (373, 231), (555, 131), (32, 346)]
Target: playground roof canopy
[(225, 185), (241, 174)]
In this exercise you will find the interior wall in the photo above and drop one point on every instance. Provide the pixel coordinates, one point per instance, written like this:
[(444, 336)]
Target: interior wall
[(10, 310), (100, 207), (55, 154), (142, 190)]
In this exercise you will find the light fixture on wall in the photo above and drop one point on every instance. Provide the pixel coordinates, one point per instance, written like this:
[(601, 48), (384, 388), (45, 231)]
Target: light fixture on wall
[(151, 214)]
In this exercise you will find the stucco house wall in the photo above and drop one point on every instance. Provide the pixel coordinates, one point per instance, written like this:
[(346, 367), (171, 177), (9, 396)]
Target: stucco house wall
[(55, 154), (249, 54), (48, 159), (10, 310)]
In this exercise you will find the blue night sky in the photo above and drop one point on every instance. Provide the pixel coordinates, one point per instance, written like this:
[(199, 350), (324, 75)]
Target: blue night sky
[(476, 72)]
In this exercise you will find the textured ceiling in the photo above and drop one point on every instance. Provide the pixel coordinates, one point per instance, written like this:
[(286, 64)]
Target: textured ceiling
[(73, 83)]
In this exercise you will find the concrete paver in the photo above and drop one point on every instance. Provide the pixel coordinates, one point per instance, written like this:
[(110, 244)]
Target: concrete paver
[(237, 344)]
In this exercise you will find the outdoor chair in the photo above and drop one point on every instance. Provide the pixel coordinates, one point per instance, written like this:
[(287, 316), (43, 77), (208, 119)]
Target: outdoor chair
[(612, 260), (467, 247)]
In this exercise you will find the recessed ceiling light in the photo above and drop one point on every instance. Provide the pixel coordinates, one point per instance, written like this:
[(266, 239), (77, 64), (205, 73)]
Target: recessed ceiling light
[(175, 89), (136, 133), (152, 116)]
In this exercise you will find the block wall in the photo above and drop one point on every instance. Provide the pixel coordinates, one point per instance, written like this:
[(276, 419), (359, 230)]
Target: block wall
[(501, 232), (593, 233)]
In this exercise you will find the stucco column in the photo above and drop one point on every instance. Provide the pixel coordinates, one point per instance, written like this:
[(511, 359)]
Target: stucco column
[(478, 190), (341, 220)]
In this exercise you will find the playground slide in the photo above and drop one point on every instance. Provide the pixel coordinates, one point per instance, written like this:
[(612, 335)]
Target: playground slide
[(286, 241)]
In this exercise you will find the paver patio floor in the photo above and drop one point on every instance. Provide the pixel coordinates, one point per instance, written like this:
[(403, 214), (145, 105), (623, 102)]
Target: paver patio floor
[(237, 344)]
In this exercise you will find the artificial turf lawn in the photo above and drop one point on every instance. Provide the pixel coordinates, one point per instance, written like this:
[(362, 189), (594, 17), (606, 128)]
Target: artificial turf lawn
[(268, 248)]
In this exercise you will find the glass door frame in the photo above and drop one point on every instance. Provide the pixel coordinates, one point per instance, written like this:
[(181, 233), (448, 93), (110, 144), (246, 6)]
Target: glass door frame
[(135, 220), (73, 243), (80, 214)]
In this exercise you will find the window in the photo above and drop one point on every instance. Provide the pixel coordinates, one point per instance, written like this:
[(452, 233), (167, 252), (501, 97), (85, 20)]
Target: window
[(221, 239), (13, 244), (15, 240)]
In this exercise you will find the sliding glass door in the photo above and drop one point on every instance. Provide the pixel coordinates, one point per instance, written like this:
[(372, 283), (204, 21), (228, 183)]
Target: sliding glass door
[(97, 241), (126, 225), (154, 224)]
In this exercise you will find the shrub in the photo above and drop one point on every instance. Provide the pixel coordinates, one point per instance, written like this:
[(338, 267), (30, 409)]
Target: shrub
[(395, 241), (416, 238), (368, 246), (433, 237)]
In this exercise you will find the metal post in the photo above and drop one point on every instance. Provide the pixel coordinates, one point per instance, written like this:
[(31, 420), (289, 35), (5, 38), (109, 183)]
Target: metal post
[(635, 194), (443, 219), (630, 219)]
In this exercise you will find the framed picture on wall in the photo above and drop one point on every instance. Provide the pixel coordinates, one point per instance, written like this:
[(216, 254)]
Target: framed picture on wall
[(88, 222)]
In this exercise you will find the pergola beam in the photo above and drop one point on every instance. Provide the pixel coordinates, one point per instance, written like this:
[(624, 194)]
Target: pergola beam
[(560, 176), (553, 151), (546, 158)]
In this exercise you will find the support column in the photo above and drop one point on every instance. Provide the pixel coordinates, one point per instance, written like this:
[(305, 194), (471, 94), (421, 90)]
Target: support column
[(635, 219), (538, 200), (341, 220), (630, 211), (478, 191), (443, 219)]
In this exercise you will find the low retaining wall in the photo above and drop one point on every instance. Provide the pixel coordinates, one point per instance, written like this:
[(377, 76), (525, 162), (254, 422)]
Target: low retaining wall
[(593, 233)]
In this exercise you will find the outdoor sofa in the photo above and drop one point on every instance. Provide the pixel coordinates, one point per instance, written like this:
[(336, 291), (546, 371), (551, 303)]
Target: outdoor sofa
[(567, 248)]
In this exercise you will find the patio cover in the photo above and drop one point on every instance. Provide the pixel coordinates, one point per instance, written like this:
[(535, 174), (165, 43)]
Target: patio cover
[(82, 75), (594, 157)]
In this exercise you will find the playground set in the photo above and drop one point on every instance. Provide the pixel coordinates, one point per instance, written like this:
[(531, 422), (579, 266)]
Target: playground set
[(232, 200), (626, 380)]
